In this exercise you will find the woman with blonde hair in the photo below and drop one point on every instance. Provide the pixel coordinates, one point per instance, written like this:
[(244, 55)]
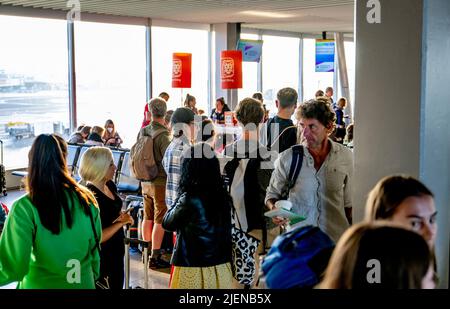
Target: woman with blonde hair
[(110, 135), (97, 170), (50, 237), (379, 255)]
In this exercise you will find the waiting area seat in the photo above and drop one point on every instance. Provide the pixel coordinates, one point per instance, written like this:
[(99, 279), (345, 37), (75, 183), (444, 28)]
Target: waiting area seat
[(124, 179)]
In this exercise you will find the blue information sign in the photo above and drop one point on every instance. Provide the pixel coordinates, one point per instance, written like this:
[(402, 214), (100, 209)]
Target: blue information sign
[(324, 56), (251, 50)]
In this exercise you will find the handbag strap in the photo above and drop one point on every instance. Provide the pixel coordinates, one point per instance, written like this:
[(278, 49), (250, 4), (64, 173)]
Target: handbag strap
[(279, 135), (234, 213), (97, 242)]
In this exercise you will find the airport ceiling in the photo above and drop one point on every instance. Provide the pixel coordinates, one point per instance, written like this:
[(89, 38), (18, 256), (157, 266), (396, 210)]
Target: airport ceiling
[(306, 16)]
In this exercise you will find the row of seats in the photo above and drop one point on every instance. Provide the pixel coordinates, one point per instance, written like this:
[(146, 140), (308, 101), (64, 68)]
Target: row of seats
[(125, 181)]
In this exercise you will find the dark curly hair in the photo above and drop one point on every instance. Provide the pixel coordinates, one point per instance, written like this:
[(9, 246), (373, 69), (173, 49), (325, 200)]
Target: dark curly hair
[(319, 109)]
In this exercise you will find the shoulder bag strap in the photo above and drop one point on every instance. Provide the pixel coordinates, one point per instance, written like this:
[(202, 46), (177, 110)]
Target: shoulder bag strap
[(294, 171), (97, 242)]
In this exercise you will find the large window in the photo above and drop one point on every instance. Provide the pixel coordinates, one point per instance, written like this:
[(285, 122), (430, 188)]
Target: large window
[(313, 81), (111, 78), (165, 42), (280, 67), (33, 83), (249, 73)]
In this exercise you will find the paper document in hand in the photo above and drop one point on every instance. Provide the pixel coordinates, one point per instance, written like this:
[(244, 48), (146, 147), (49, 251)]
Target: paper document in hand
[(284, 213)]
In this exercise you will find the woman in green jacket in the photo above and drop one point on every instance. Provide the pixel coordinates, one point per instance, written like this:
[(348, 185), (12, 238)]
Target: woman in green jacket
[(50, 239)]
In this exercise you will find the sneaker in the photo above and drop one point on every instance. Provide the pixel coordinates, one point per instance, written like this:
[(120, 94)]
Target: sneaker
[(158, 263)]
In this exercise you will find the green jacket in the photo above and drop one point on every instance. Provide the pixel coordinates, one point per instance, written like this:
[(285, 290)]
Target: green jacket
[(38, 259)]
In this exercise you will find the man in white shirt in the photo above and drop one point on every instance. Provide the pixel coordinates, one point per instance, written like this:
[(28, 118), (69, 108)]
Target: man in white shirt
[(322, 191)]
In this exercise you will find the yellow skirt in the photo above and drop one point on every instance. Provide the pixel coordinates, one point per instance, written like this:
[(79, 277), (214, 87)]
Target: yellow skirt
[(213, 277)]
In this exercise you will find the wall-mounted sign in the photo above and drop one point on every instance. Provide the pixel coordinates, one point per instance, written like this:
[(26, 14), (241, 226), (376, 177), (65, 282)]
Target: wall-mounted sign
[(231, 69), (251, 50), (325, 55), (181, 70)]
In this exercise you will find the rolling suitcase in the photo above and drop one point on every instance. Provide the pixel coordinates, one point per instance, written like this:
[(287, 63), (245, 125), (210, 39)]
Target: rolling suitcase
[(128, 241), (2, 172)]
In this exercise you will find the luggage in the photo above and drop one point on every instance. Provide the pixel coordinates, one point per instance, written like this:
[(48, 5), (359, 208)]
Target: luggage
[(136, 229), (137, 242), (137, 204), (2, 172), (303, 251)]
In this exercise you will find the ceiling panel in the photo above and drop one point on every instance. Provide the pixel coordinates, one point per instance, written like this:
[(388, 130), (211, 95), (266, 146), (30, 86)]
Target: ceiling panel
[(286, 15)]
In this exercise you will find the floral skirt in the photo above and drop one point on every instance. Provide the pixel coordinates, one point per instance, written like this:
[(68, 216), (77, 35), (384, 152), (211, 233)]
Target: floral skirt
[(213, 277)]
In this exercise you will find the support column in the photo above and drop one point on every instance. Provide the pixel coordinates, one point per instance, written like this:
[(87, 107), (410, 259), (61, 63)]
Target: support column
[(434, 121), (226, 37), (72, 76), (401, 116)]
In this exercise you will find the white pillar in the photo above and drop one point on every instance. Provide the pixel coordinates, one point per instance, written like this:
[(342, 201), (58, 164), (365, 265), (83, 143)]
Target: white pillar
[(401, 110)]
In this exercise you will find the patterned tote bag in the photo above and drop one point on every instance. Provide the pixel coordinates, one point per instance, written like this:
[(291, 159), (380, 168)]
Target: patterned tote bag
[(243, 253)]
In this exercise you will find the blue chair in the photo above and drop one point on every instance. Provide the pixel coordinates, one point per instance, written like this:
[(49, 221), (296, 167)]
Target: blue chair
[(118, 158), (76, 167), (126, 181), (73, 152)]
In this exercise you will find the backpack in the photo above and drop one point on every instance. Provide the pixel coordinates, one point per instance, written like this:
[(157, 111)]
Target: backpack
[(142, 159), (303, 253)]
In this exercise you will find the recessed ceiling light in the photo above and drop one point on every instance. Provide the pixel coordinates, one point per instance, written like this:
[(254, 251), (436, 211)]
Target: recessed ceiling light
[(266, 14)]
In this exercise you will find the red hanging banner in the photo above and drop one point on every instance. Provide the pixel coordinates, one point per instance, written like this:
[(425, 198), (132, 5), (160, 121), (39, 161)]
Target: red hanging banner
[(181, 70), (231, 69)]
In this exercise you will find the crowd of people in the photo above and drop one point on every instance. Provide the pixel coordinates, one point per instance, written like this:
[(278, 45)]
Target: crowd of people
[(96, 135), (201, 185)]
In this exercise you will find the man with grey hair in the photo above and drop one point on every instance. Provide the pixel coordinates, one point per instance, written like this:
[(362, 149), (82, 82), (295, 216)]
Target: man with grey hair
[(321, 192), (154, 191), (281, 133)]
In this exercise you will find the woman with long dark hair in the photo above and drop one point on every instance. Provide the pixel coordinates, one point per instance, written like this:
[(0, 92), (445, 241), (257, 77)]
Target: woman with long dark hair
[(201, 217), (51, 236)]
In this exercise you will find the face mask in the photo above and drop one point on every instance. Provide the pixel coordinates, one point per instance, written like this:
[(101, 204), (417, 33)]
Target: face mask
[(110, 130)]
